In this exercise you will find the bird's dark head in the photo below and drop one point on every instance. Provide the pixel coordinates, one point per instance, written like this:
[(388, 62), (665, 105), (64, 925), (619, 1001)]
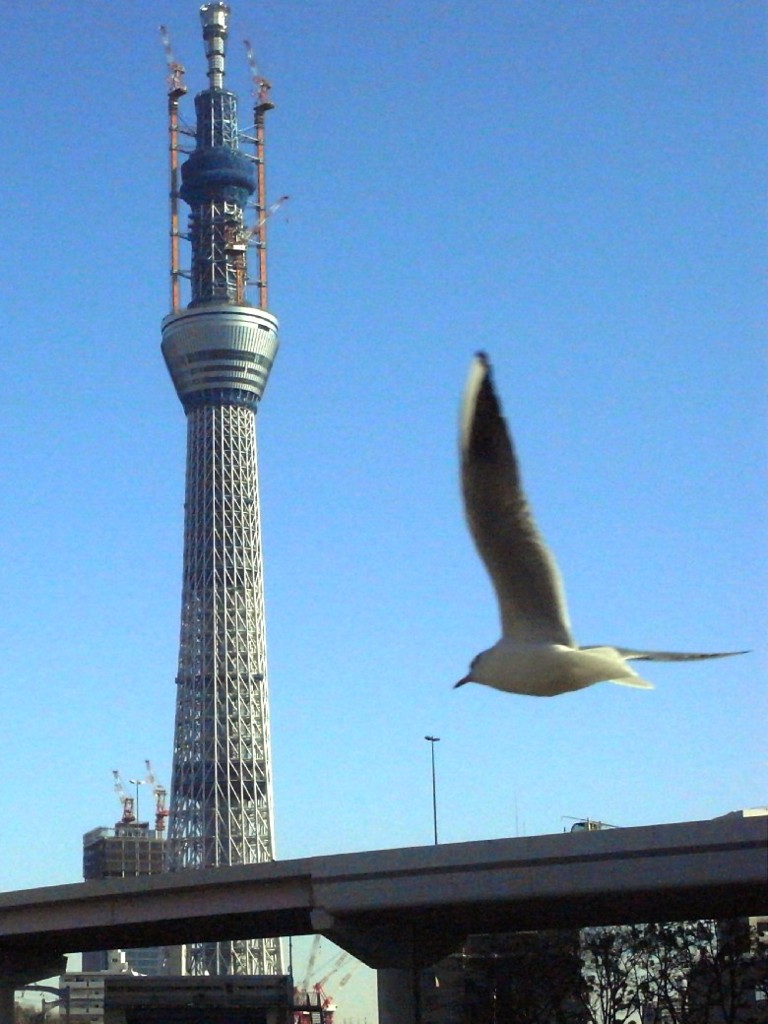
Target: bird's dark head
[(469, 677)]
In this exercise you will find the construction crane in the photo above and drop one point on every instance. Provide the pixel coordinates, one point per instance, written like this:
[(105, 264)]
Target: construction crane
[(160, 794), (312, 1004), (261, 86), (313, 951), (325, 1003), (348, 975), (272, 208), (128, 817), (337, 964), (176, 71)]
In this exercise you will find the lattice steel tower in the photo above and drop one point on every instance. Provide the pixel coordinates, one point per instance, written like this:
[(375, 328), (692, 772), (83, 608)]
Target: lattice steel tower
[(219, 351)]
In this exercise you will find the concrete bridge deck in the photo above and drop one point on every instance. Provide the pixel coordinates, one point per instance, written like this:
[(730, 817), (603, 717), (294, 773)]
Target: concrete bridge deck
[(397, 908)]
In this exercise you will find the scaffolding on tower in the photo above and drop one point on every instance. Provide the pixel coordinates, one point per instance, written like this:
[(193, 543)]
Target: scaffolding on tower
[(176, 89), (262, 103)]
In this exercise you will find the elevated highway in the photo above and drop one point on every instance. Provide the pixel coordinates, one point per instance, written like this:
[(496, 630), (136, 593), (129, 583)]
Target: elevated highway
[(406, 907)]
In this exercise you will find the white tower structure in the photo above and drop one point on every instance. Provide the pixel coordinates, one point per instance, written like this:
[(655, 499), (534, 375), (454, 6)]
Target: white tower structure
[(219, 351)]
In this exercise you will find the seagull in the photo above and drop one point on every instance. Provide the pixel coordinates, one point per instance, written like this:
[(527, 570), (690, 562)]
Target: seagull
[(536, 654)]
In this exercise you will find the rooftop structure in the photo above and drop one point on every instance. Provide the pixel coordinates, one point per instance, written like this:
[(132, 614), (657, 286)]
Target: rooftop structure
[(124, 851), (129, 850)]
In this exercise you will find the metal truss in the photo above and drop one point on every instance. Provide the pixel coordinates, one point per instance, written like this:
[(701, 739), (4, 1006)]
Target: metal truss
[(221, 794), (218, 254)]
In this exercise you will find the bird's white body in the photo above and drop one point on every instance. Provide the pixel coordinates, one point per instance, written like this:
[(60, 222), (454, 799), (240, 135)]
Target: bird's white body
[(544, 670), (536, 654)]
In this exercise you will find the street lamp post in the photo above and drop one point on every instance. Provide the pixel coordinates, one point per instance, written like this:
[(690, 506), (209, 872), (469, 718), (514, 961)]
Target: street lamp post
[(137, 783), (432, 741)]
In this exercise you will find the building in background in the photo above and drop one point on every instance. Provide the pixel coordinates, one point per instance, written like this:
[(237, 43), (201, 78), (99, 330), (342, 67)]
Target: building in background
[(85, 989), (129, 850), (125, 851), (119, 997)]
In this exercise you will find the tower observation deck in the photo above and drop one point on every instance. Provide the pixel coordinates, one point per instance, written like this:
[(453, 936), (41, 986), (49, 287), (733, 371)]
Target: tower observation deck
[(219, 351)]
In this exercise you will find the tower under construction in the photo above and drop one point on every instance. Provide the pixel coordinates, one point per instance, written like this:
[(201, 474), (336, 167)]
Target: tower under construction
[(219, 350)]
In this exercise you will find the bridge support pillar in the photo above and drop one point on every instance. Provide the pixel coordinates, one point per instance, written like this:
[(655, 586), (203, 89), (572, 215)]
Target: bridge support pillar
[(24, 968), (399, 995), (398, 952), (7, 999)]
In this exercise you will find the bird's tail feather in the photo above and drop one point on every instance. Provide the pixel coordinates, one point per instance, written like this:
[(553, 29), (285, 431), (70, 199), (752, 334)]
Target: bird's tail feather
[(641, 684), (611, 665)]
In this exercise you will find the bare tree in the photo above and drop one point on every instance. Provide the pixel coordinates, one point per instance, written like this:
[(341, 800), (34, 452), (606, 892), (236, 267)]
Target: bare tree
[(691, 972), (24, 1014), (728, 980), (611, 965)]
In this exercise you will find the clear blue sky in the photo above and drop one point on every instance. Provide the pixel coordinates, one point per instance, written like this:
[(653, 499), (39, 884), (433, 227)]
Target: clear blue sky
[(577, 188)]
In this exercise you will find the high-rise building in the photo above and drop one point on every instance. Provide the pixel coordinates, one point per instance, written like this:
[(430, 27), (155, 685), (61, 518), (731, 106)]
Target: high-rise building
[(219, 350), (128, 850), (124, 851)]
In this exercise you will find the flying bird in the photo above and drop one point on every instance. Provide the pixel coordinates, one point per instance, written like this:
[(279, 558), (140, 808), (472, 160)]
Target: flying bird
[(536, 654)]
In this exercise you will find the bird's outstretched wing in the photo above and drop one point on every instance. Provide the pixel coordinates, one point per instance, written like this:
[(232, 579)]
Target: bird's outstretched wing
[(631, 655), (523, 571)]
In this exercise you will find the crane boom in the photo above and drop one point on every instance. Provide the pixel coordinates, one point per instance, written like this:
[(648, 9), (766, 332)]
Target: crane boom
[(127, 801)]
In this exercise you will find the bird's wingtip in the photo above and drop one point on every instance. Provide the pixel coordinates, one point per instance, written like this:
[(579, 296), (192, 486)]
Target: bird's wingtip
[(479, 371), (481, 365), (632, 654)]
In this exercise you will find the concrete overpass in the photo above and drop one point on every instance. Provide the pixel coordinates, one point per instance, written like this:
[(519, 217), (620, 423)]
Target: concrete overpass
[(406, 908)]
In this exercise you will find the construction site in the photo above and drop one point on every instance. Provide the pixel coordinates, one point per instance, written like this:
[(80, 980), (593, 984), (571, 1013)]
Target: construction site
[(123, 986)]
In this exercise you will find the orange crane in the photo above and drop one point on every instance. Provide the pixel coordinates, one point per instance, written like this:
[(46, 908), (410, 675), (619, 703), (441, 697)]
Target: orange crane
[(261, 86), (176, 89), (313, 1005), (160, 794), (262, 103), (326, 1004)]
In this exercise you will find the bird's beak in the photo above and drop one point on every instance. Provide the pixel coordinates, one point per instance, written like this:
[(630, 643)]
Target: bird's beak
[(464, 679)]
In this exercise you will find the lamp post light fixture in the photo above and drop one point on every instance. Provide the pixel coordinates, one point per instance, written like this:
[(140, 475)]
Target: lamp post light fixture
[(137, 783), (432, 740)]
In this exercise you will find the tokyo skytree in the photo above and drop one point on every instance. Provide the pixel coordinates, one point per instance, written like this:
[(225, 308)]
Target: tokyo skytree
[(219, 350)]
